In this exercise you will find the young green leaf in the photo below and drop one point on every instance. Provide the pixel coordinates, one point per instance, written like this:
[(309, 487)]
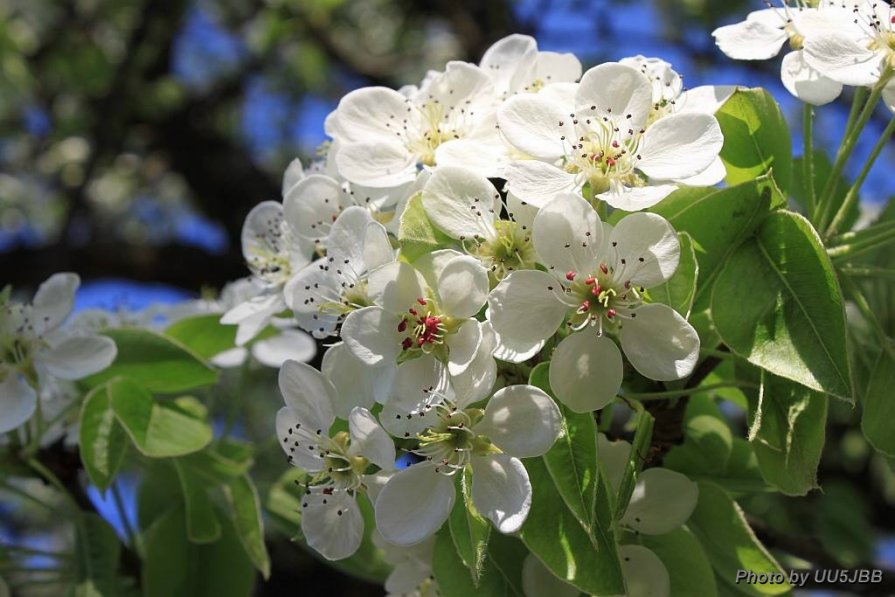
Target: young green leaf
[(158, 428), (202, 524), (245, 506), (643, 434), (756, 137), (778, 304), (501, 572), (158, 363), (469, 529), (102, 441), (416, 233), (205, 335), (879, 408)]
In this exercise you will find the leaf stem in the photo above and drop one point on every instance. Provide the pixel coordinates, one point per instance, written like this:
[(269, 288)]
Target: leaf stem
[(808, 157), (864, 241), (688, 391)]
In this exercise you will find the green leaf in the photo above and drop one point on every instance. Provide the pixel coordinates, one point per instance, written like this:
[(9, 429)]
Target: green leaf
[(717, 222), (822, 170), (500, 575), (730, 544), (98, 552), (686, 561), (555, 536), (246, 509), (788, 433), (102, 441), (202, 524), (777, 303), (469, 529), (205, 335), (174, 566), (158, 363), (879, 408), (159, 429), (416, 233), (572, 461), (843, 525), (706, 448), (679, 291), (640, 445), (756, 137)]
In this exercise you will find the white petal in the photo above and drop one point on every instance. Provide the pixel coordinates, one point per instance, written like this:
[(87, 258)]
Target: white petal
[(462, 82), (645, 574), (396, 286), (288, 345), (414, 504), (536, 126), (18, 400), (334, 529), (362, 115), (464, 345), (371, 334), (646, 249), (345, 243), (293, 174), (462, 203), (228, 359), (406, 578), (485, 154), (843, 59), (614, 457), (522, 213), (312, 288), (377, 249), (586, 371), (553, 67), (680, 145), (311, 206), (78, 357), (419, 383), (298, 441), (889, 96), (705, 98), (750, 40), (615, 91), (806, 83), (432, 264), (54, 301), (356, 383), (463, 287), (715, 173), (523, 308), (369, 439), (309, 394), (383, 164), (476, 382), (636, 198), (262, 231), (567, 235), (253, 314), (538, 581), (510, 62), (660, 343), (521, 420), (536, 182), (662, 501), (514, 352), (501, 490)]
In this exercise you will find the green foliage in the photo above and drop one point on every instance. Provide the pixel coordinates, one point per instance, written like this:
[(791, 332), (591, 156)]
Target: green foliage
[(202, 523), (879, 408), (501, 572), (158, 428), (469, 529), (756, 138), (158, 363), (719, 525), (680, 291), (245, 508), (687, 563), (204, 335), (416, 233), (98, 552), (102, 441), (793, 323)]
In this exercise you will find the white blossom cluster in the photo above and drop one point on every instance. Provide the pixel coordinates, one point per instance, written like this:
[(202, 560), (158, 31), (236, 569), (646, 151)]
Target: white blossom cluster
[(833, 42), (510, 161)]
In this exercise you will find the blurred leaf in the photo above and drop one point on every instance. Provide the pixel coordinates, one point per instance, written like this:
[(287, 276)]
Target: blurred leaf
[(686, 561), (822, 170), (205, 335), (246, 508), (843, 526), (101, 440), (98, 552), (201, 521), (501, 572), (879, 406), (469, 529)]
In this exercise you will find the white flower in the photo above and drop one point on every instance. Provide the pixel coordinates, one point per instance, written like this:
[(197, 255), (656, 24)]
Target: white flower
[(466, 206), (861, 46), (605, 143), (425, 308), (331, 520), (329, 288), (411, 575), (33, 345), (515, 65), (382, 137), (519, 421), (763, 33), (595, 284)]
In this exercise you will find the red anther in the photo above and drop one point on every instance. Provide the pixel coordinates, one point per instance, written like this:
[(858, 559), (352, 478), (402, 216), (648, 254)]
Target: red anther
[(603, 268), (627, 284), (420, 341), (585, 307), (327, 491), (412, 311), (421, 301), (570, 276), (610, 161), (610, 313), (589, 280), (596, 290), (402, 326), (407, 343), (892, 20), (615, 143)]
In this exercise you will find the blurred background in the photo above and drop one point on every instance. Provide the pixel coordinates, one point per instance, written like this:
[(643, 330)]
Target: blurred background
[(135, 135)]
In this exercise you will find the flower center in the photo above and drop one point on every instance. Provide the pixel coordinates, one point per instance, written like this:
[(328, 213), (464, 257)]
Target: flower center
[(602, 298), (605, 153), (424, 327), (511, 250), (451, 441)]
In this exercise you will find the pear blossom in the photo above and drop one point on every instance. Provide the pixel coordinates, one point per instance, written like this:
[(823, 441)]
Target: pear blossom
[(595, 285), (605, 143), (515, 65), (466, 206), (424, 308), (381, 137), (763, 33), (412, 574), (519, 421), (331, 520), (34, 347)]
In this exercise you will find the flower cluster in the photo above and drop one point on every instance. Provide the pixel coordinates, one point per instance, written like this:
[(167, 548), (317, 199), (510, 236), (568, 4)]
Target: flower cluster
[(456, 234)]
